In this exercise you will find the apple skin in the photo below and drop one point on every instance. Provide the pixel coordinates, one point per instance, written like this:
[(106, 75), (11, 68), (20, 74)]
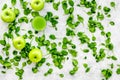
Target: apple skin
[(37, 5), (35, 55), (19, 43), (8, 15), (39, 23)]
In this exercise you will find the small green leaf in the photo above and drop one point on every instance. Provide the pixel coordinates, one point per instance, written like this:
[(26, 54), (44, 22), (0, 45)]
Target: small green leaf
[(52, 36), (106, 9), (73, 52), (118, 71), (87, 70), (74, 62), (3, 42), (23, 19), (61, 75), (80, 19), (64, 5), (107, 73), (112, 4), (70, 32), (71, 3), (27, 11), (4, 7), (114, 58), (35, 13), (85, 65), (112, 23), (13, 2), (56, 5)]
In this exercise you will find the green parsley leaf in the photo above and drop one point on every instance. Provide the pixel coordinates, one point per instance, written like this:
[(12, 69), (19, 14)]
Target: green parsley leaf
[(111, 23), (27, 11), (56, 5), (118, 71), (106, 9), (87, 70), (70, 32), (85, 65), (19, 73), (85, 50), (80, 19), (13, 2), (35, 13), (34, 70), (4, 7), (23, 19), (100, 16), (64, 4), (61, 75), (3, 42), (52, 36), (107, 73), (114, 57), (71, 3), (74, 62), (73, 52), (112, 4)]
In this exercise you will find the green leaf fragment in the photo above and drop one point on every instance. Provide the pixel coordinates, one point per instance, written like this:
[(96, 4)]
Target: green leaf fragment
[(61, 75), (73, 52), (85, 65), (87, 70), (3, 42), (35, 13), (71, 2), (34, 70), (48, 72), (112, 4), (107, 73), (114, 57), (106, 10), (70, 32), (4, 7), (27, 11), (74, 62), (64, 4), (23, 19), (118, 71), (52, 36), (111, 23), (19, 73), (13, 2), (80, 19), (56, 5)]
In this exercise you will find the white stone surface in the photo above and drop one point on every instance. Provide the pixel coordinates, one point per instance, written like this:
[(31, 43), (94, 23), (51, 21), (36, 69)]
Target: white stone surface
[(95, 72)]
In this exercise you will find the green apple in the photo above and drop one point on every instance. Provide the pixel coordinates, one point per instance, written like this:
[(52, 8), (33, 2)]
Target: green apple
[(8, 15), (35, 55), (19, 42), (39, 23), (37, 5)]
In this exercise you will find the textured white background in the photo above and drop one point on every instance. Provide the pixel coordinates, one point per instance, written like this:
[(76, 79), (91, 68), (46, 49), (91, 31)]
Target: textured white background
[(95, 72)]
